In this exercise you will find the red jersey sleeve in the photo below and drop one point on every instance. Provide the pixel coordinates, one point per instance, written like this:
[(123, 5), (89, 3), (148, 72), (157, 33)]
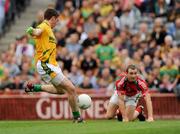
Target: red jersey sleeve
[(119, 86), (144, 87)]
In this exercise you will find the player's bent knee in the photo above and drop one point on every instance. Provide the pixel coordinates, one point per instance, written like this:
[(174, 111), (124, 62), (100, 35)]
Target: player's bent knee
[(71, 90), (68, 86), (109, 116), (61, 91), (130, 118)]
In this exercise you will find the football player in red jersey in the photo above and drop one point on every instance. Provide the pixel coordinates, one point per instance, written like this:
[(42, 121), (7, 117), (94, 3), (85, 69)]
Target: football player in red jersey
[(129, 88)]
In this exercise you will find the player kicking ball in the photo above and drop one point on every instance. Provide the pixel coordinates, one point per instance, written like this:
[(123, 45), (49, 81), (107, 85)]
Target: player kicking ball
[(129, 88), (47, 66)]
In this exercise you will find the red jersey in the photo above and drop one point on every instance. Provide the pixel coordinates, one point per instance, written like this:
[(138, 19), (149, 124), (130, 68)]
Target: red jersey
[(124, 87)]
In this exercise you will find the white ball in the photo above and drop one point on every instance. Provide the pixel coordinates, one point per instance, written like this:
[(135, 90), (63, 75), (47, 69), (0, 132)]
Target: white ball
[(84, 101)]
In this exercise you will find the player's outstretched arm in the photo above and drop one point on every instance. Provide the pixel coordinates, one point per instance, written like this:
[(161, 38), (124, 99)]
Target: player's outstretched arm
[(123, 108), (34, 31), (149, 107)]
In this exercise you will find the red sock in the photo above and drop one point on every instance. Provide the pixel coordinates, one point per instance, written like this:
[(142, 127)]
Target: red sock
[(118, 112), (139, 109), (119, 115)]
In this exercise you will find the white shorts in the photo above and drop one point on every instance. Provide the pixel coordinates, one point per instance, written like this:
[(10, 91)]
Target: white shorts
[(114, 98), (50, 73), (133, 100)]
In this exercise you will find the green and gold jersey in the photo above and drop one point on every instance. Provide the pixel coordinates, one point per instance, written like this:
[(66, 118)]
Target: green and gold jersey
[(45, 45)]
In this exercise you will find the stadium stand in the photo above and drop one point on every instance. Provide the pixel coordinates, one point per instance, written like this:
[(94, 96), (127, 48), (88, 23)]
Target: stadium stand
[(98, 39)]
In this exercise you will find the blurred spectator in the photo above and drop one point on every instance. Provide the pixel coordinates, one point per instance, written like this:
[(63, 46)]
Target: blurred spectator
[(125, 35), (166, 47), (89, 24), (107, 64), (124, 55), (72, 44), (177, 31), (96, 40), (86, 84), (60, 37), (86, 9), (143, 32), (152, 82), (105, 78), (130, 17), (15, 83), (75, 76), (106, 8), (96, 11), (2, 15), (147, 63), (159, 31), (151, 48), (161, 8), (117, 61), (169, 69), (11, 65), (74, 21), (91, 40), (64, 19), (105, 51), (1, 72), (13, 10), (174, 12), (87, 62), (92, 78), (23, 48), (167, 86), (64, 56), (60, 5), (117, 43), (5, 79), (69, 5), (77, 3), (134, 45), (26, 72), (40, 17), (177, 88)]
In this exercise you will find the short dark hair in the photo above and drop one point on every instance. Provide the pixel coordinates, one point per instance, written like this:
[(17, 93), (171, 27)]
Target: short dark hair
[(49, 13), (131, 66)]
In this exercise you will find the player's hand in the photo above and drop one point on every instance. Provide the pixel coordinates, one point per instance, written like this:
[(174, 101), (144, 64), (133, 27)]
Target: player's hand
[(125, 120), (150, 119), (29, 30)]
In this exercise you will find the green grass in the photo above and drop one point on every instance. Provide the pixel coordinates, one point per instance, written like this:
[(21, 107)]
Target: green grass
[(90, 127)]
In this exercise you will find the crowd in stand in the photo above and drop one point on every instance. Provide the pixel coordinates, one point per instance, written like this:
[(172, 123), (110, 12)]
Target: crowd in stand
[(97, 39), (10, 10)]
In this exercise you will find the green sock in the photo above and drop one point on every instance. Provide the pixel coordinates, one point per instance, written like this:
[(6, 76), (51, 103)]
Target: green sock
[(37, 88), (76, 114)]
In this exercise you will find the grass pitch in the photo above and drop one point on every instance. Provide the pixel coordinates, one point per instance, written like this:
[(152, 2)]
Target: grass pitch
[(90, 127)]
